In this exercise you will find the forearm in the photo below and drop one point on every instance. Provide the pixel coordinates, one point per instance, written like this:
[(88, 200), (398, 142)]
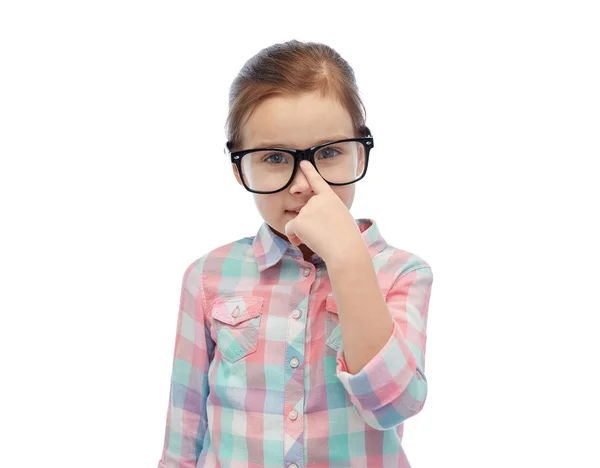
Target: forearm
[(365, 321)]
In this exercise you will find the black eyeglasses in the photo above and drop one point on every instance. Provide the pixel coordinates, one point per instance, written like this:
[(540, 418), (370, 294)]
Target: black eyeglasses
[(270, 170)]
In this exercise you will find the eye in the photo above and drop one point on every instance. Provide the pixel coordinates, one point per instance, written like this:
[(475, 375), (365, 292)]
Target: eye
[(278, 158), (328, 152)]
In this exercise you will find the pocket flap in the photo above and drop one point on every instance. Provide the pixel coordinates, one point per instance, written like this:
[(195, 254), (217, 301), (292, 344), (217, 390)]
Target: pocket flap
[(237, 309), (330, 304)]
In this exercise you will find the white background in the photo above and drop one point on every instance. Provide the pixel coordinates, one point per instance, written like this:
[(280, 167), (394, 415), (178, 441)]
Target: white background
[(113, 180)]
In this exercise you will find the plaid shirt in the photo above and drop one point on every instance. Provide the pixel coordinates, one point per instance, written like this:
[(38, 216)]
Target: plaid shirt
[(259, 377)]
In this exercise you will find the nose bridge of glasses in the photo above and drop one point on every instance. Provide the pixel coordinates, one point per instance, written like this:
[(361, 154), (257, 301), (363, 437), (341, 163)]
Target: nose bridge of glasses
[(303, 155), (300, 156)]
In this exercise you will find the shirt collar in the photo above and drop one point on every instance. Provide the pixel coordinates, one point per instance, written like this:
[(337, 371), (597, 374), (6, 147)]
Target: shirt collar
[(269, 248)]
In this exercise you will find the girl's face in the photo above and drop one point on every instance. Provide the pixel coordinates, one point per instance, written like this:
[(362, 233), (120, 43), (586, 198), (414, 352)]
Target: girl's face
[(297, 122)]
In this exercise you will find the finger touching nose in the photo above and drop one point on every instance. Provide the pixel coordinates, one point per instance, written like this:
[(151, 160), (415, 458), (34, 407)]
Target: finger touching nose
[(300, 182)]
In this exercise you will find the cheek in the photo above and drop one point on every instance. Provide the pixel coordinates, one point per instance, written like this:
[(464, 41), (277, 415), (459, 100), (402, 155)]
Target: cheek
[(346, 194), (260, 203), (267, 204)]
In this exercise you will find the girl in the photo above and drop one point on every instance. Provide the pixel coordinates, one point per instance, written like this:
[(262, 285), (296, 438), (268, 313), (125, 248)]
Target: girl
[(304, 345)]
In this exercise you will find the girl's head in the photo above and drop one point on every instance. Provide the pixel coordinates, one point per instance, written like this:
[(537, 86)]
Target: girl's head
[(293, 95)]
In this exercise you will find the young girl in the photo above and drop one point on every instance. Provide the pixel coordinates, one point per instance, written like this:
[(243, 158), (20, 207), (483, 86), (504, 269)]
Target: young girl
[(304, 345)]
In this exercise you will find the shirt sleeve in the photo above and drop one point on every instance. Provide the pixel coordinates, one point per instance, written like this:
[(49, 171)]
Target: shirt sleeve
[(392, 386), (186, 412)]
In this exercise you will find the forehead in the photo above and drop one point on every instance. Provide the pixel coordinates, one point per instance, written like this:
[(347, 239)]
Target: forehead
[(297, 121)]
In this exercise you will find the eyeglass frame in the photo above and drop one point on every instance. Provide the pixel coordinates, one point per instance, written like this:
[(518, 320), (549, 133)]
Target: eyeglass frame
[(299, 155)]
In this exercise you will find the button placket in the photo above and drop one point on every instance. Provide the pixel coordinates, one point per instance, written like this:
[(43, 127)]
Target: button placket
[(294, 387)]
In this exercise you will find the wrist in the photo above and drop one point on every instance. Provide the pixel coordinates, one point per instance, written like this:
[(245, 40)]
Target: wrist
[(349, 255)]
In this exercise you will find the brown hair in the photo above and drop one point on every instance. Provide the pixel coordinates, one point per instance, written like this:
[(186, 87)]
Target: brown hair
[(290, 68)]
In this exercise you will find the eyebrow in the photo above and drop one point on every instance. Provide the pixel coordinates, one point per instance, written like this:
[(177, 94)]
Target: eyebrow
[(283, 145)]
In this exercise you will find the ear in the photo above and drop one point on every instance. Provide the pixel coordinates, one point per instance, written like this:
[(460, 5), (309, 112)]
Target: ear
[(235, 173), (361, 160)]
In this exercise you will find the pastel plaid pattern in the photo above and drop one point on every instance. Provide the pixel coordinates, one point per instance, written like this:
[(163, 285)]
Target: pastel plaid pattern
[(259, 377)]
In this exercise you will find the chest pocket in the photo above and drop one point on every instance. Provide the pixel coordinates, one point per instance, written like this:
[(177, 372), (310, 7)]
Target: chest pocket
[(333, 332), (236, 322)]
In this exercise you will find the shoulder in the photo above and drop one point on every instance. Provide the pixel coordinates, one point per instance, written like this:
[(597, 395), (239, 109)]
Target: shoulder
[(397, 262), (221, 261), (237, 250)]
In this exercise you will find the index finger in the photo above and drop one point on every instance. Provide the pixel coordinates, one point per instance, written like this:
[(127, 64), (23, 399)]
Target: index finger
[(314, 178)]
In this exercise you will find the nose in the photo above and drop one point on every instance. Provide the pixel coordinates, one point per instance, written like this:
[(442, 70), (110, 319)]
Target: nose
[(300, 183)]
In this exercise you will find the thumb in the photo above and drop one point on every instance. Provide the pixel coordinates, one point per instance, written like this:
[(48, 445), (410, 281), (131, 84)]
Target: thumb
[(291, 235)]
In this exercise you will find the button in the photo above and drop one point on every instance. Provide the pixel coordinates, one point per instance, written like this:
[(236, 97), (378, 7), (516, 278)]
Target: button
[(235, 313), (306, 271), (293, 415), (293, 465), (296, 313), (294, 362)]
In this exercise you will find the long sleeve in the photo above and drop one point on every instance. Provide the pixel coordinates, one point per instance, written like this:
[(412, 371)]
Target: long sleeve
[(186, 415), (392, 386)]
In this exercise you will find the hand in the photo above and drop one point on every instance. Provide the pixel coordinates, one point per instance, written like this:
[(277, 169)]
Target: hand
[(324, 224)]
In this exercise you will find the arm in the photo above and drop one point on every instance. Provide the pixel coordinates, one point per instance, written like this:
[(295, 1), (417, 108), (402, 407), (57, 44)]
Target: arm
[(194, 348), (381, 363)]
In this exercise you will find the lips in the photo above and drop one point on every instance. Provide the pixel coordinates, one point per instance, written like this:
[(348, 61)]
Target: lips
[(295, 211)]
